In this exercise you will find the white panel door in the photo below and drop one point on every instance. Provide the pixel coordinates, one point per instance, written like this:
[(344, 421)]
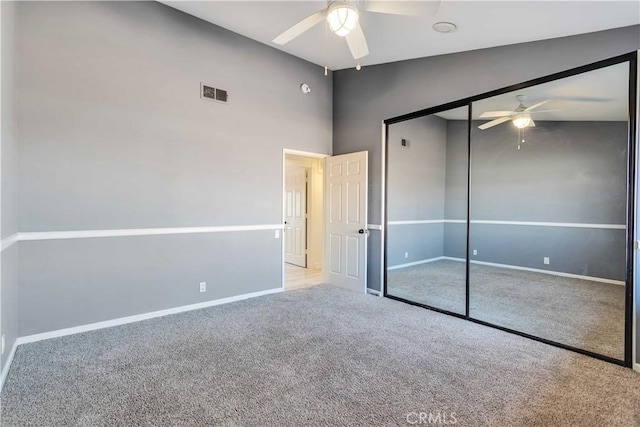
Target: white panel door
[(346, 221), (295, 217)]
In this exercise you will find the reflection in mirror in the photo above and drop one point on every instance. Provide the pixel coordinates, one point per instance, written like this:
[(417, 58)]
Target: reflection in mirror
[(427, 210), (548, 210)]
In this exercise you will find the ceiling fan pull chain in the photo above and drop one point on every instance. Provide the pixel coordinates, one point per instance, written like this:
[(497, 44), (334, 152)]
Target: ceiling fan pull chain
[(520, 136), (326, 53)]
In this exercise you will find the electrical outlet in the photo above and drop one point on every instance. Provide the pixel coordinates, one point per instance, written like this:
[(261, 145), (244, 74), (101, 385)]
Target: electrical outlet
[(203, 286), (475, 252), (2, 351), (406, 254), (277, 234), (546, 260)]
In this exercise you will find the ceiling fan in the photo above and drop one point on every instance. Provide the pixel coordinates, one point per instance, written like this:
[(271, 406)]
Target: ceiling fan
[(520, 117), (342, 17)]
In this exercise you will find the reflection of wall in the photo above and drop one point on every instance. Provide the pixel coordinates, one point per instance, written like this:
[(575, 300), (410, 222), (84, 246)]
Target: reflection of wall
[(416, 189), (566, 172), (417, 173)]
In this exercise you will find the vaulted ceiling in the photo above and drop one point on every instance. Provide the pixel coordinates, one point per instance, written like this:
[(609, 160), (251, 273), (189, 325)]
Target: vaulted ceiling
[(481, 24)]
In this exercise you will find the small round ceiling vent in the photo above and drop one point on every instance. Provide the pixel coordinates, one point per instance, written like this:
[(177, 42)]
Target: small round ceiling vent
[(444, 27)]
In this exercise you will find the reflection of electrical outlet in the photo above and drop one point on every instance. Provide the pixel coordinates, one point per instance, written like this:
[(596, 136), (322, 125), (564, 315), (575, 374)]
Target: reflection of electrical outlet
[(546, 260), (406, 254), (475, 252)]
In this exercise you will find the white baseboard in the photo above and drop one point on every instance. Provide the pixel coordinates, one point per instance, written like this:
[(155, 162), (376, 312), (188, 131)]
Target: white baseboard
[(374, 292), (410, 264), (636, 367), (7, 365), (537, 270), (139, 317)]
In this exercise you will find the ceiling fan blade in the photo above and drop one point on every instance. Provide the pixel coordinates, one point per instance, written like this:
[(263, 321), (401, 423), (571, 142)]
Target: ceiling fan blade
[(300, 27), (357, 43), (401, 7), (532, 124), (492, 114), (536, 105), (493, 123)]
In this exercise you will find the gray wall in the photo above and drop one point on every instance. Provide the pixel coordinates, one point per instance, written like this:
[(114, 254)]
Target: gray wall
[(584, 251), (416, 189), (416, 183), (421, 241), (565, 172), (363, 99), (572, 172), (456, 194), (8, 202), (114, 135), (74, 282)]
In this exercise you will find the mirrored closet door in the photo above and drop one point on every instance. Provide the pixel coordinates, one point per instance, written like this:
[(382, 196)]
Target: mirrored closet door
[(548, 232), (427, 210), (511, 209)]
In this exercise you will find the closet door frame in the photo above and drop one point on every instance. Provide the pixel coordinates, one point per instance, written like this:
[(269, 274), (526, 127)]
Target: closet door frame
[(629, 318)]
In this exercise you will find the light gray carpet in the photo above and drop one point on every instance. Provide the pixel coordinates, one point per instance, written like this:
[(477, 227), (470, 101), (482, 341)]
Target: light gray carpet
[(579, 313), (314, 357)]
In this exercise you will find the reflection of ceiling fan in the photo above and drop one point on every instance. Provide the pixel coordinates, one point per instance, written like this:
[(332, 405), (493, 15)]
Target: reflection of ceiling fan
[(520, 117), (342, 17)]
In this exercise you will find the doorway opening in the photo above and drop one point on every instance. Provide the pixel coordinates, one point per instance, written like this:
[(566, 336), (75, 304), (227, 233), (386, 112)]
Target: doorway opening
[(303, 218)]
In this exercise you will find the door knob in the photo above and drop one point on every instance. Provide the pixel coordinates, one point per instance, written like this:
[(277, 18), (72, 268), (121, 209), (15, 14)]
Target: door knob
[(363, 231)]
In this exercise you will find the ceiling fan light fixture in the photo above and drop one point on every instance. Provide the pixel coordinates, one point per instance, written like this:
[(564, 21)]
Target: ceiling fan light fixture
[(342, 18), (521, 121)]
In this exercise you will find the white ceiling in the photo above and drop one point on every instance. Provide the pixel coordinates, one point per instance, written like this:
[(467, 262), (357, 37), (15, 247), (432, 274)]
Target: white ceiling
[(481, 24)]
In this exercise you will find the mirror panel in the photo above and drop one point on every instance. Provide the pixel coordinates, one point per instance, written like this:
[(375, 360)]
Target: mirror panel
[(427, 164), (548, 210)]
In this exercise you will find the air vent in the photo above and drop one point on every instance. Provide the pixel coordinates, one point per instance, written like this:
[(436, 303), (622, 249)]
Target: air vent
[(211, 93), (221, 95)]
